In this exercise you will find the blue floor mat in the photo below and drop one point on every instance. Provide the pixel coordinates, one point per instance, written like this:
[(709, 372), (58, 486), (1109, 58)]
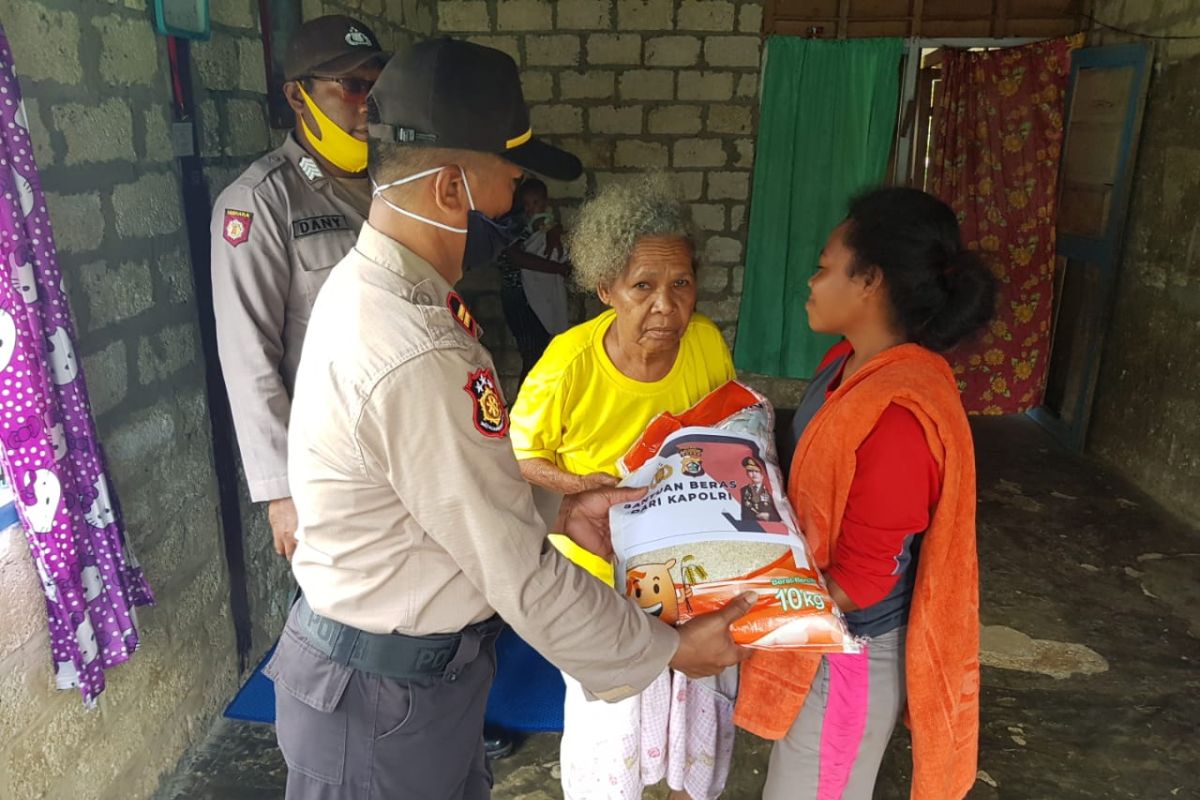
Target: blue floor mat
[(527, 696), (255, 701)]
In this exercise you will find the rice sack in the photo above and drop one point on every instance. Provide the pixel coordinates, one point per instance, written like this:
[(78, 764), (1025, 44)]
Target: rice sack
[(716, 523)]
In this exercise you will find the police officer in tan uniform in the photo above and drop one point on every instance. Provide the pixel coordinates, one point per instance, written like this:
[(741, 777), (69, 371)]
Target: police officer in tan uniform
[(276, 233), (417, 532)]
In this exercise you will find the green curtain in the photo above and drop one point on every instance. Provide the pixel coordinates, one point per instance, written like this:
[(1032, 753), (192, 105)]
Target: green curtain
[(827, 124)]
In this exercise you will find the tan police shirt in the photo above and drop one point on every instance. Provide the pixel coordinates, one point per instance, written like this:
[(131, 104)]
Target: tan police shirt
[(414, 517), (276, 233)]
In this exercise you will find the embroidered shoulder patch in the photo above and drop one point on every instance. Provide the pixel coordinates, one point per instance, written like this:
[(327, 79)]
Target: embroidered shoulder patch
[(236, 227), (491, 415), (462, 315)]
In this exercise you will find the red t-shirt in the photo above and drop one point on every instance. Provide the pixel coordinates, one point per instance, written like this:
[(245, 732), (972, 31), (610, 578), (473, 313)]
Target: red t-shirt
[(895, 487)]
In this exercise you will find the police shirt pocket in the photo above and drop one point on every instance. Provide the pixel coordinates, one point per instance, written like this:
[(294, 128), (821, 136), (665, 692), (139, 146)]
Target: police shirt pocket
[(310, 726), (316, 255)]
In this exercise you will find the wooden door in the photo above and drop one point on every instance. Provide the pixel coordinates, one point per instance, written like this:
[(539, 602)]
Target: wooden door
[(1104, 117)]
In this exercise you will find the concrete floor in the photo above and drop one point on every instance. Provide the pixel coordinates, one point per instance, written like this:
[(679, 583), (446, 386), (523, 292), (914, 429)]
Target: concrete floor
[(1091, 646)]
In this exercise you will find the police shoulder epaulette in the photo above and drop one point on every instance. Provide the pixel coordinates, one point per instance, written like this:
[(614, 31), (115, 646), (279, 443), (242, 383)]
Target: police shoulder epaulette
[(257, 172)]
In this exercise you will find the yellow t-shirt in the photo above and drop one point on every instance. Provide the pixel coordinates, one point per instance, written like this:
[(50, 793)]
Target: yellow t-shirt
[(578, 411)]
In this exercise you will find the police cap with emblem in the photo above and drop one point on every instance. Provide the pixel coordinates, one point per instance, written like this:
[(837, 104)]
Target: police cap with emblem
[(462, 96), (331, 47)]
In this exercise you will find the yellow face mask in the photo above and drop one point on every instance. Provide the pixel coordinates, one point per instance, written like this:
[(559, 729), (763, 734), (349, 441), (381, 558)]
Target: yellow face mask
[(334, 145)]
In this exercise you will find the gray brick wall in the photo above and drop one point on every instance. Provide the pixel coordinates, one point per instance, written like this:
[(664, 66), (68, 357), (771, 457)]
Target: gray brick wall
[(625, 85), (630, 86), (98, 97), (97, 91), (397, 23)]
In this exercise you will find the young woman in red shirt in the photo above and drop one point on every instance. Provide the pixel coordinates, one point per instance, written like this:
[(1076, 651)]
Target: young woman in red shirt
[(883, 480)]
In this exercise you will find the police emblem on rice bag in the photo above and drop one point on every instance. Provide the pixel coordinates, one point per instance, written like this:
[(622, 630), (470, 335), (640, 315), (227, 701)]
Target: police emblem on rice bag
[(716, 522)]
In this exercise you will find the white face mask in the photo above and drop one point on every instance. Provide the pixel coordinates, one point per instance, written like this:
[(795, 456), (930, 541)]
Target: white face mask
[(486, 238), (378, 192)]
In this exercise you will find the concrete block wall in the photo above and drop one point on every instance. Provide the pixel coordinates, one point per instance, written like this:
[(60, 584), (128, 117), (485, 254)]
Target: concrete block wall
[(397, 23), (630, 86), (627, 85), (1146, 418), (97, 95), (96, 85)]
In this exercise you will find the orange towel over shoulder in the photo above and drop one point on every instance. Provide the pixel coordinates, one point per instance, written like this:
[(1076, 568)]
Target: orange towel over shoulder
[(942, 659)]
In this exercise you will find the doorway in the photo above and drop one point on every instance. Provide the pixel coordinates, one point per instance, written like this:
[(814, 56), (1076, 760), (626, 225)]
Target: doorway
[(1104, 100)]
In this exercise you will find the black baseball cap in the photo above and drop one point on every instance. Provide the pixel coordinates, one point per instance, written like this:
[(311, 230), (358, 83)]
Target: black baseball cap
[(331, 46), (462, 96)]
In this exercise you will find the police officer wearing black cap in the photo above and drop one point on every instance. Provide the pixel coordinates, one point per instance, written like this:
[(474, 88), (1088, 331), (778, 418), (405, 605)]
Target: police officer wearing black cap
[(417, 532), (276, 232)]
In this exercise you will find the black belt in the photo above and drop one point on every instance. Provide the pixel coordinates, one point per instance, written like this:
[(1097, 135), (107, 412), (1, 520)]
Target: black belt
[(395, 655)]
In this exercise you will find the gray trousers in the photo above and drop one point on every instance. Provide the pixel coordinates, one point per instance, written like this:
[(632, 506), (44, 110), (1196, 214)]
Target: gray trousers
[(353, 735), (811, 763)]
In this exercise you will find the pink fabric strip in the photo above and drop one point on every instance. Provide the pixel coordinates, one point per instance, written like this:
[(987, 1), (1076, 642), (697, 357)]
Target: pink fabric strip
[(845, 721)]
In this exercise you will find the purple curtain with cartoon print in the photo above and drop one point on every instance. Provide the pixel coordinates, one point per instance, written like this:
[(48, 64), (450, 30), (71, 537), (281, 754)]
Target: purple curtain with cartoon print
[(51, 454)]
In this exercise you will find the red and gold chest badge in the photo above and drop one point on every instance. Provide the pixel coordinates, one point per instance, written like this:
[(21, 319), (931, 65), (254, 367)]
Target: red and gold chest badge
[(462, 314), (236, 227), (491, 415)]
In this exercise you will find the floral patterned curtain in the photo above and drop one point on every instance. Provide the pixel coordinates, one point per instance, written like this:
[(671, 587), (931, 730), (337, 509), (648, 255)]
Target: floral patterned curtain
[(51, 454), (997, 143)]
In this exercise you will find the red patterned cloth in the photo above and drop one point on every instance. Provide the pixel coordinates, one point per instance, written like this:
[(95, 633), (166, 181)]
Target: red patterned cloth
[(996, 150)]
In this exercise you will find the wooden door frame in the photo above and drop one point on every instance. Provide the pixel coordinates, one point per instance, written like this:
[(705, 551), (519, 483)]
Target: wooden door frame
[(910, 90), (1105, 252)]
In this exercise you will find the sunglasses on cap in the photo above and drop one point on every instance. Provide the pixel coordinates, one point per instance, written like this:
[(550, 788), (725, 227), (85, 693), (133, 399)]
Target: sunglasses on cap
[(354, 90)]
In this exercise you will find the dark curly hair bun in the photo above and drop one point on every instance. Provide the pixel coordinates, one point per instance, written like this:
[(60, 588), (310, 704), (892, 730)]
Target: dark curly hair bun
[(941, 293)]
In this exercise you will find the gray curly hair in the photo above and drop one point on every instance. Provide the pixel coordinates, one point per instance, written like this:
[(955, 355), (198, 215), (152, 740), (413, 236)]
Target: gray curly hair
[(611, 223)]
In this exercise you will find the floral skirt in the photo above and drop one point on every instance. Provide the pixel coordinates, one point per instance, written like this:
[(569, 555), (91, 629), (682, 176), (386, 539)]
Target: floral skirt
[(678, 729)]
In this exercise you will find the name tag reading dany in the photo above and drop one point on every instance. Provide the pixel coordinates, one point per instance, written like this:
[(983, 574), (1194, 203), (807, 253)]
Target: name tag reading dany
[(322, 224)]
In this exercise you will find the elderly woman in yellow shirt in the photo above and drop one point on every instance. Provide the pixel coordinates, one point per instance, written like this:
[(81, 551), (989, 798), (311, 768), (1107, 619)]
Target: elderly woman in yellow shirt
[(581, 407)]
